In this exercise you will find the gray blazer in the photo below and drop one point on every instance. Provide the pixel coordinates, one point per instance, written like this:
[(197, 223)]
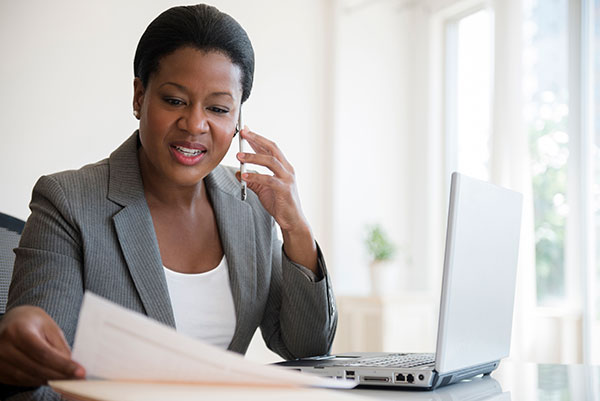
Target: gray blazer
[(91, 229)]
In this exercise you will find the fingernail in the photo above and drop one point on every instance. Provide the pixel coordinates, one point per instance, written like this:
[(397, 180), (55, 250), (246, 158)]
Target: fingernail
[(79, 372), (245, 175), (241, 155)]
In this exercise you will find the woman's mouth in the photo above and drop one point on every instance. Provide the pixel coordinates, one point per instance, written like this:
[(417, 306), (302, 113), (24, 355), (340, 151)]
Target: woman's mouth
[(187, 156), (189, 152)]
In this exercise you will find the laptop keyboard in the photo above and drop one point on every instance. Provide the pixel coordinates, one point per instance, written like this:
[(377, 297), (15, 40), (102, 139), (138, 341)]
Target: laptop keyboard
[(394, 361)]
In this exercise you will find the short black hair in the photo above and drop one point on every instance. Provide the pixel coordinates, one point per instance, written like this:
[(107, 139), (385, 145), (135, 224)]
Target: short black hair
[(202, 27)]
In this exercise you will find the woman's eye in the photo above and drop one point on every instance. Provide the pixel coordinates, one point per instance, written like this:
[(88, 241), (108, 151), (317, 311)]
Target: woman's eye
[(219, 110), (173, 101)]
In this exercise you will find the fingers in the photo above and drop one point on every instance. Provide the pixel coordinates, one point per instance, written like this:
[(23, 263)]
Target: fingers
[(27, 371), (278, 192), (15, 376), (33, 349), (262, 145), (270, 162), (43, 352), (255, 141), (254, 179)]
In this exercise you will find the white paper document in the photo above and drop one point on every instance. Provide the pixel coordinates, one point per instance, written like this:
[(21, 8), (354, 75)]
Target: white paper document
[(115, 343)]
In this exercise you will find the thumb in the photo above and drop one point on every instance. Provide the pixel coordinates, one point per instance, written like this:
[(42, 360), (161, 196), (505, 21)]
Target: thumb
[(56, 338)]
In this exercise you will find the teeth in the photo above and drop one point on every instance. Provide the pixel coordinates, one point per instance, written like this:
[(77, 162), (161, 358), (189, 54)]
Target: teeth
[(188, 152)]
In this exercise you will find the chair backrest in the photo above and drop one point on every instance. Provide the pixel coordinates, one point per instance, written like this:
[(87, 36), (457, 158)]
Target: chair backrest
[(10, 233)]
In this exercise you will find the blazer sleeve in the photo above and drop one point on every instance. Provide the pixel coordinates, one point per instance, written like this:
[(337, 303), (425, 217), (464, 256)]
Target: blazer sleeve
[(300, 318), (48, 268)]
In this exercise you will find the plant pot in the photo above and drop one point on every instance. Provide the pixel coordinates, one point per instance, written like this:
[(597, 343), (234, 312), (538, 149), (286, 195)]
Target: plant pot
[(385, 276)]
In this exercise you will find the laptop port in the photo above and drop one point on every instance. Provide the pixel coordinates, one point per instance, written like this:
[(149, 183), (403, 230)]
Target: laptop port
[(421, 377), (349, 374), (400, 378), (379, 379), (410, 378)]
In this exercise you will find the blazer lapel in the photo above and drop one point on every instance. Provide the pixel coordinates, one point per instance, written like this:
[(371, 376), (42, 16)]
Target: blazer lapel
[(236, 229), (135, 232)]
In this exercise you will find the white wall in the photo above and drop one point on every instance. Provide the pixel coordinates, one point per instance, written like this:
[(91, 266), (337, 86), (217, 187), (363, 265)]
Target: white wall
[(382, 144)]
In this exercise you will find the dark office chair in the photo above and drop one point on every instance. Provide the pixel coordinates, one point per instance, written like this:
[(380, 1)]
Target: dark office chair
[(10, 232)]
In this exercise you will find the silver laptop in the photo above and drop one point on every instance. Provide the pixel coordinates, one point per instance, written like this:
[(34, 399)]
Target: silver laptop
[(476, 308)]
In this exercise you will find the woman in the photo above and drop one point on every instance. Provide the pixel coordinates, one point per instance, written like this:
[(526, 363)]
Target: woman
[(159, 226)]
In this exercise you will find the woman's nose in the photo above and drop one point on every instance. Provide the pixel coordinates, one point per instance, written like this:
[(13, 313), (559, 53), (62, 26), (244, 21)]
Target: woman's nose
[(195, 121)]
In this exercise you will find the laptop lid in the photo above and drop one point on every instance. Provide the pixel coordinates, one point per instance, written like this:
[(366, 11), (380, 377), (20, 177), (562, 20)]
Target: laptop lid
[(480, 265)]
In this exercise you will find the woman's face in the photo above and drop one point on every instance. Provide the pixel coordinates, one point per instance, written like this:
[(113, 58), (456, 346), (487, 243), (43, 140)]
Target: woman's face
[(188, 114)]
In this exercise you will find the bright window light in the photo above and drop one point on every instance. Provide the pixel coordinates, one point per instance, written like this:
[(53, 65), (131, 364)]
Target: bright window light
[(545, 56), (473, 94)]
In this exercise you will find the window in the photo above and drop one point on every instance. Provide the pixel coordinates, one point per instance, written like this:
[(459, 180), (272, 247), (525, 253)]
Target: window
[(559, 50), (468, 93), (545, 84), (561, 55)]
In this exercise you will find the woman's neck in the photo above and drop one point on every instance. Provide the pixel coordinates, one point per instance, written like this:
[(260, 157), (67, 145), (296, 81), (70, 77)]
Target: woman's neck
[(160, 191)]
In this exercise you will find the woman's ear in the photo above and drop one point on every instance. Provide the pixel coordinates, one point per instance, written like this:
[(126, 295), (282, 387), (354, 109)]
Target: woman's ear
[(138, 97)]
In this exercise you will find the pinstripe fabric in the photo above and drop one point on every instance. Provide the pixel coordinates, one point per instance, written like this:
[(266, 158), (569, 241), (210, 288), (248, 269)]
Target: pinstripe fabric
[(91, 229), (8, 241)]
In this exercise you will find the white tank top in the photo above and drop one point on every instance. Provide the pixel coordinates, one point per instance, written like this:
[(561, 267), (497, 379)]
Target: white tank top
[(203, 304)]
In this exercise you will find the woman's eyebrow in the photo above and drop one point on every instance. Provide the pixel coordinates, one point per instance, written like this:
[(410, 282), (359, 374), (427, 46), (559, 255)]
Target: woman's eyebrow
[(178, 86), (183, 88), (222, 94)]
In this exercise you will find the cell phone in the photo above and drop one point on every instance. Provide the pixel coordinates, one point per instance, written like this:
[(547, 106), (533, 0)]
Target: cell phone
[(242, 165)]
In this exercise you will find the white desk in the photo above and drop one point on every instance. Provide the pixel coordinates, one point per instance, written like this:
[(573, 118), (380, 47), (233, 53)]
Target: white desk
[(512, 381)]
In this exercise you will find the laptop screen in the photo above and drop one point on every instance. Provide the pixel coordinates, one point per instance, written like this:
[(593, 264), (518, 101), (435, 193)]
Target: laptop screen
[(480, 264)]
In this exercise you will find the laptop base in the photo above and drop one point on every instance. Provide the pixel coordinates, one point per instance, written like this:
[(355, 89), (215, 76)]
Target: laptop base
[(416, 378)]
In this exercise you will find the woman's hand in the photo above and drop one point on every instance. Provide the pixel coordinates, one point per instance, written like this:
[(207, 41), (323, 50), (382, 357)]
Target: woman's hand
[(33, 349), (279, 196)]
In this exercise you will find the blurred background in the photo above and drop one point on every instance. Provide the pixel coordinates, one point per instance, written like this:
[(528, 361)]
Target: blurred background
[(375, 103)]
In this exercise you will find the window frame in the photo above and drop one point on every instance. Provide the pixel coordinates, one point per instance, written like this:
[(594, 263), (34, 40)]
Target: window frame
[(581, 104)]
